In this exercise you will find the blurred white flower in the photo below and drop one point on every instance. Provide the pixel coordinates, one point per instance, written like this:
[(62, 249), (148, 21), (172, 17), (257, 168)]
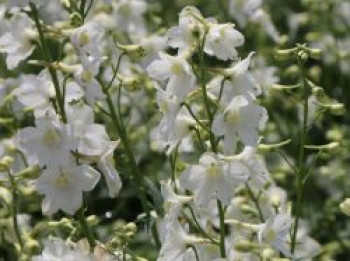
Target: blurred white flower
[(63, 187), (16, 41)]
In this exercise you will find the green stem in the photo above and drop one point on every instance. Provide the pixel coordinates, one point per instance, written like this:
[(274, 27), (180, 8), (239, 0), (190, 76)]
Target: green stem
[(212, 141), (85, 227), (48, 59), (222, 229), (205, 95), (255, 201), (301, 158), (14, 210)]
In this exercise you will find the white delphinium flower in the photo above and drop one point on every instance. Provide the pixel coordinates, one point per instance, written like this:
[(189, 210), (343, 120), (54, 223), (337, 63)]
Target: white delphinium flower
[(178, 72), (259, 175), (185, 35), (48, 143), (92, 144), (88, 39), (177, 242), (129, 15), (171, 199), (238, 80), (16, 41), (241, 10), (106, 165), (152, 45), (37, 91), (172, 130), (240, 120), (222, 40), (63, 187), (275, 232), (212, 178)]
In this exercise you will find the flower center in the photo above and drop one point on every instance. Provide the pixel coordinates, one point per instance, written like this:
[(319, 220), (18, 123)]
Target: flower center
[(84, 39), (62, 180), (232, 116), (87, 76), (52, 138), (176, 68), (270, 235), (213, 170)]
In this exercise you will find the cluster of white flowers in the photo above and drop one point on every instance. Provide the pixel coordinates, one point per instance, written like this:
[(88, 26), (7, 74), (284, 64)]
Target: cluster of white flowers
[(230, 172), (82, 81)]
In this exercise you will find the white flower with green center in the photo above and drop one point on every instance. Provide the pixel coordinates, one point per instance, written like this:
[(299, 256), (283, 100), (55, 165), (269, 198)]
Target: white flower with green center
[(47, 144), (222, 40), (183, 37), (35, 91), (63, 187), (211, 179), (275, 233), (176, 71), (240, 120), (87, 39), (16, 42)]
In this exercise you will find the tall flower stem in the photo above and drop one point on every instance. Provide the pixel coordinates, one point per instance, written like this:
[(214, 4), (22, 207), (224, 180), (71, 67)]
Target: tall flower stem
[(119, 127), (86, 228), (301, 168), (14, 210), (48, 59), (212, 139)]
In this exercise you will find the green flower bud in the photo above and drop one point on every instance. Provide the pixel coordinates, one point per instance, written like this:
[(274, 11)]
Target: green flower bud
[(75, 19), (284, 55), (303, 56)]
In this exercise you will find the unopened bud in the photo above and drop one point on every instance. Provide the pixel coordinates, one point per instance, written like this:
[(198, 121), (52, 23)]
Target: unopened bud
[(269, 147), (303, 56), (284, 55), (337, 109), (131, 227), (92, 220), (245, 246), (75, 19), (319, 94), (133, 49), (6, 163), (31, 247), (315, 53), (327, 147)]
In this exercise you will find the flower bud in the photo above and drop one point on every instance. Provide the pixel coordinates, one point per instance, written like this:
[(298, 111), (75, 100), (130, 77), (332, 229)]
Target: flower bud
[(315, 53), (245, 246), (31, 247), (75, 19), (319, 94), (92, 220), (6, 163), (303, 56), (131, 227), (284, 55), (337, 109), (133, 49)]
